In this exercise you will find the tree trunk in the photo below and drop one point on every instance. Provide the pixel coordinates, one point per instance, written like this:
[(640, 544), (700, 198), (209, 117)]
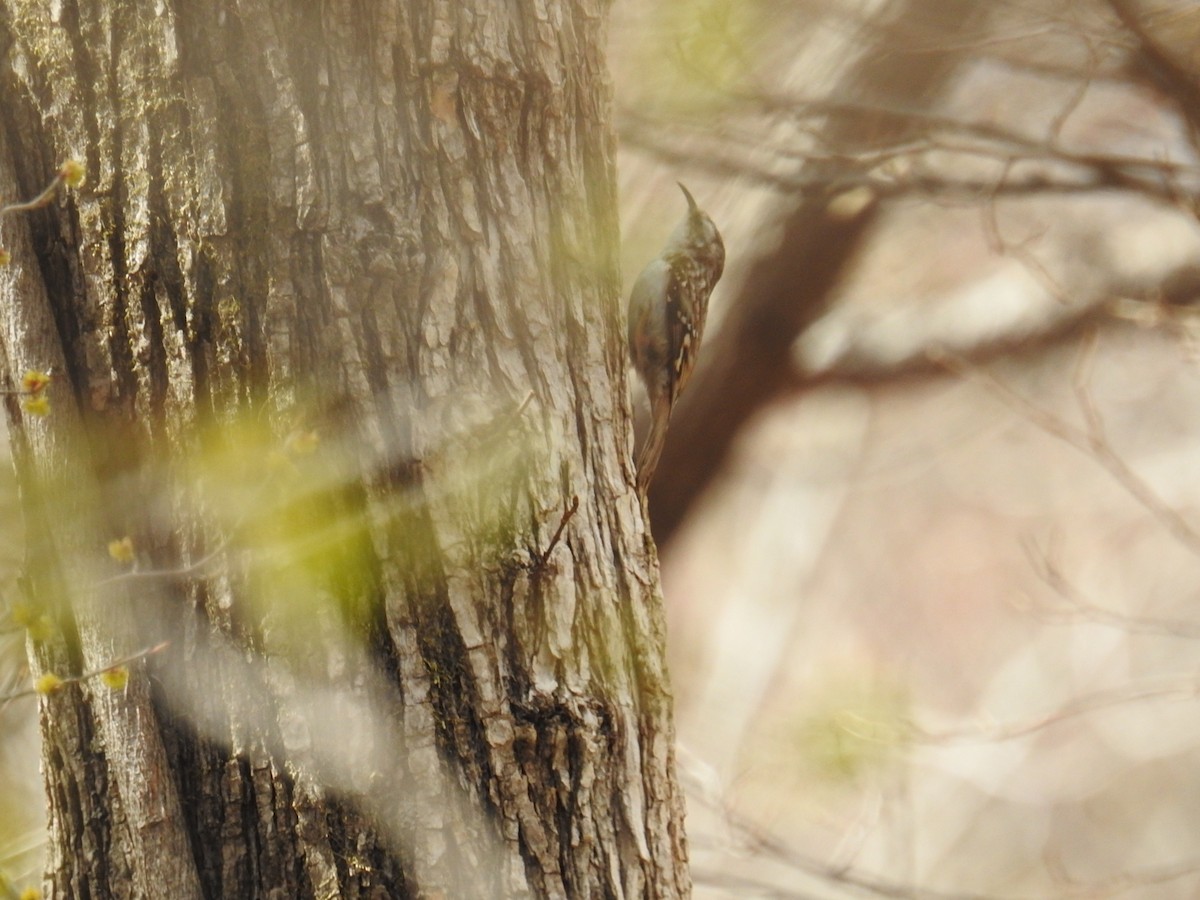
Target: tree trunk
[(337, 342)]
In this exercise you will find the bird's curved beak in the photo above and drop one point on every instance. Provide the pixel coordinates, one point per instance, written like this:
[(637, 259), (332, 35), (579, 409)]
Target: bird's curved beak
[(692, 207)]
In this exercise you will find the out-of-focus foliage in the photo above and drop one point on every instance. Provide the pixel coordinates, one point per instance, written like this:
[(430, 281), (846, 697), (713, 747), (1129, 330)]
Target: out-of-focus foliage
[(850, 730), (695, 56), (278, 533)]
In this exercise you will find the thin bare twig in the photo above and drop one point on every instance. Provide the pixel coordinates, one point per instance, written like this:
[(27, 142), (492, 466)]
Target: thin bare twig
[(1079, 608), (1178, 81), (760, 840), (568, 512), (1019, 251), (83, 676), (70, 173), (1090, 441), (42, 199), (1086, 172), (1185, 687)]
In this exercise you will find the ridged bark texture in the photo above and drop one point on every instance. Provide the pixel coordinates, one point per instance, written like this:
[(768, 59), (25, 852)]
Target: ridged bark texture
[(387, 230)]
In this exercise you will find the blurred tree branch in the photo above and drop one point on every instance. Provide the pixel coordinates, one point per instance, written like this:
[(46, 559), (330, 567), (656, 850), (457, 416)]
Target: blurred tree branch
[(1167, 62), (786, 290), (1091, 440), (880, 132)]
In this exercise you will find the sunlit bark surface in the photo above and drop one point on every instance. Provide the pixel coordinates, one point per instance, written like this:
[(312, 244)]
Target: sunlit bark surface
[(335, 335)]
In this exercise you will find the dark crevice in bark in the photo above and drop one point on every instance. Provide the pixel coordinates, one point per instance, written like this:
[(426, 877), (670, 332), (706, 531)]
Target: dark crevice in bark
[(306, 47), (532, 107), (373, 612), (458, 341), (359, 579), (238, 862), (364, 864), (56, 248), (88, 81), (198, 765), (525, 343), (164, 242), (113, 215), (247, 158), (542, 724), (375, 370), (566, 812), (484, 323), (202, 339), (384, 650), (455, 698), (276, 863), (576, 338), (197, 46), (150, 282), (78, 797), (52, 234), (309, 360), (555, 744), (193, 45), (244, 842), (27, 140)]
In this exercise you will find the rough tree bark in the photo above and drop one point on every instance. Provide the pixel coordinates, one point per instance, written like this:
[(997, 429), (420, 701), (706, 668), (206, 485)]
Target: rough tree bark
[(389, 230)]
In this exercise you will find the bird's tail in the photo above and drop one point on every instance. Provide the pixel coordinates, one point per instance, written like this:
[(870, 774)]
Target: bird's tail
[(652, 449)]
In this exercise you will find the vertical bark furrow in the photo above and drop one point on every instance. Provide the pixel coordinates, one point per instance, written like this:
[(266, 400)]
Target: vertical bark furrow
[(79, 822), (392, 225)]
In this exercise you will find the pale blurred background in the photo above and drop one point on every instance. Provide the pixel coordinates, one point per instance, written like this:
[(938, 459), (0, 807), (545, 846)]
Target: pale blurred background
[(934, 619)]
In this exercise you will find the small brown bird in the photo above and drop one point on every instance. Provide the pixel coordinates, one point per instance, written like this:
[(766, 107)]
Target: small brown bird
[(667, 309)]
